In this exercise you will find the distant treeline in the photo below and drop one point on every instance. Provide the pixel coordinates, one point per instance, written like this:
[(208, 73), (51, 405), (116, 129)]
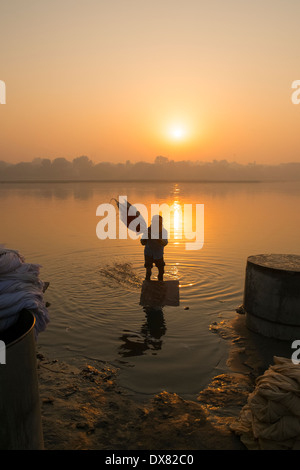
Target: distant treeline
[(162, 169)]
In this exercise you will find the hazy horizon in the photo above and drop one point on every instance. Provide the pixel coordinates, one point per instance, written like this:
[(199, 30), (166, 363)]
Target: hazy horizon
[(161, 169)]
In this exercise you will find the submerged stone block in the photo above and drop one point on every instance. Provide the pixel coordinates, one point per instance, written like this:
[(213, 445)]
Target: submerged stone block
[(159, 293)]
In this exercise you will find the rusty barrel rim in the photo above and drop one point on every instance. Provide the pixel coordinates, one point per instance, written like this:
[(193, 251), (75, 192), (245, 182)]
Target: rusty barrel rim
[(20, 329)]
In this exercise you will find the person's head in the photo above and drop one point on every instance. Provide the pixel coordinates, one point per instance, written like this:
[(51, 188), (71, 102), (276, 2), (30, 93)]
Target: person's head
[(156, 226), (157, 220)]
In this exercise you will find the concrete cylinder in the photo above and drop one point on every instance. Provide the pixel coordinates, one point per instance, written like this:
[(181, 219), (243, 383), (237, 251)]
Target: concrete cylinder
[(20, 413), (272, 295)]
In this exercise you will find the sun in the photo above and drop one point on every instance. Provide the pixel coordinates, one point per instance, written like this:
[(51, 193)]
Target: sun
[(177, 133)]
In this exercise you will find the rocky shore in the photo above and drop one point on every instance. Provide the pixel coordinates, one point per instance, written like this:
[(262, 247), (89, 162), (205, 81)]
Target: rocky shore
[(85, 408)]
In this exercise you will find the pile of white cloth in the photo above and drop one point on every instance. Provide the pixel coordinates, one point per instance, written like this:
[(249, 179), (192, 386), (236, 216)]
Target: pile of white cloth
[(21, 288), (271, 418)]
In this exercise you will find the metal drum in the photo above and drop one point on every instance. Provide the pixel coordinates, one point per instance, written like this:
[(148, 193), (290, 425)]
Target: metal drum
[(20, 412), (272, 295)]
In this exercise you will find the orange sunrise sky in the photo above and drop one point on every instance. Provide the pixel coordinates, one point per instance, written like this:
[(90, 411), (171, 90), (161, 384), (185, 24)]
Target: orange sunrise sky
[(130, 80)]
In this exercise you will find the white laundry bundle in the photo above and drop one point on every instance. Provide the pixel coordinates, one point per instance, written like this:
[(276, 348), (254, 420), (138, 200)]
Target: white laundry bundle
[(271, 418), (21, 288)]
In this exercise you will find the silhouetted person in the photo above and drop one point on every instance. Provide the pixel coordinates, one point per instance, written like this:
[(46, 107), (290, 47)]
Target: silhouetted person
[(154, 247)]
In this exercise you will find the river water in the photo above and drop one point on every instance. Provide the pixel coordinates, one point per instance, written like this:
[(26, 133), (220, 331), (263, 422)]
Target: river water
[(95, 284)]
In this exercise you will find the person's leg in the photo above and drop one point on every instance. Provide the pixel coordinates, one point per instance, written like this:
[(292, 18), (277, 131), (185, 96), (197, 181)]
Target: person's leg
[(148, 274), (161, 268), (148, 265), (161, 271)]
